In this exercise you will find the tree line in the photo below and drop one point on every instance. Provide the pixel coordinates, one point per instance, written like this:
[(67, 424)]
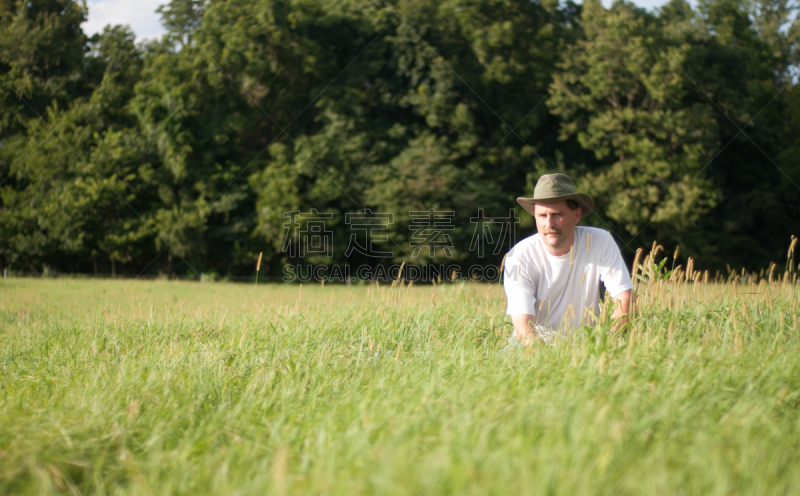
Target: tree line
[(189, 153)]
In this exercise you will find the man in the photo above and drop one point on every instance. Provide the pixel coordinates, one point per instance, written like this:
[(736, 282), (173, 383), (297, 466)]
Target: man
[(552, 279)]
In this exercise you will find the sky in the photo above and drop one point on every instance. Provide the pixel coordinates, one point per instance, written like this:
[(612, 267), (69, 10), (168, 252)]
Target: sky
[(141, 15)]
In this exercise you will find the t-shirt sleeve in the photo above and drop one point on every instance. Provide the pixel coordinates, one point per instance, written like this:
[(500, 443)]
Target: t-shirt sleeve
[(613, 271), (517, 282)]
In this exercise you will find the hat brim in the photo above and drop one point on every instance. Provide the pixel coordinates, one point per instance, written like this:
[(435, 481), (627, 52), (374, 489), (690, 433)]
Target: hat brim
[(584, 201)]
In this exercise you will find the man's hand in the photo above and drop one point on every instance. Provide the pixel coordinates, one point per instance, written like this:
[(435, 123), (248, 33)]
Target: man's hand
[(622, 306), (619, 324), (523, 329)]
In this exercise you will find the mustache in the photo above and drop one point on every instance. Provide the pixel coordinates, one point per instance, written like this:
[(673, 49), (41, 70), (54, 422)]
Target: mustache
[(552, 231)]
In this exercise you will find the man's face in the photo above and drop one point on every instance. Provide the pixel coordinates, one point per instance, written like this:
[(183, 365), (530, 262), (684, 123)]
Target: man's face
[(556, 225)]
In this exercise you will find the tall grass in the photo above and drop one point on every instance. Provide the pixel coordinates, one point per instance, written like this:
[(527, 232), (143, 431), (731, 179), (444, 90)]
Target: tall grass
[(183, 388)]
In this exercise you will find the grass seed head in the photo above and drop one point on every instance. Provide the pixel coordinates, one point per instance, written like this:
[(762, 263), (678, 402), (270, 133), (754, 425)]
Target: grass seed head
[(636, 261)]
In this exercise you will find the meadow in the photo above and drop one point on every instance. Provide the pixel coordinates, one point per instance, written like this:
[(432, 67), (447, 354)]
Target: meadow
[(158, 387)]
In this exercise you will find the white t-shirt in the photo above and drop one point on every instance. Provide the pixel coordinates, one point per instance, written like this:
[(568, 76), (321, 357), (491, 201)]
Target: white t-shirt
[(562, 292)]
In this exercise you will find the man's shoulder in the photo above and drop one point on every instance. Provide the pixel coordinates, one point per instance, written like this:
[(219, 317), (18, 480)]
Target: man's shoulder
[(594, 231), (595, 235), (523, 247), (599, 244)]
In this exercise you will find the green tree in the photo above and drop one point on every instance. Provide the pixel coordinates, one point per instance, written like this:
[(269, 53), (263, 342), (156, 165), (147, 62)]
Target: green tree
[(41, 51), (77, 195), (745, 70), (624, 95), (422, 116), (183, 154)]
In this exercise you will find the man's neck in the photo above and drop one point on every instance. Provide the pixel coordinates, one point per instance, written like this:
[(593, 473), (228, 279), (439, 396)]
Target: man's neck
[(561, 250)]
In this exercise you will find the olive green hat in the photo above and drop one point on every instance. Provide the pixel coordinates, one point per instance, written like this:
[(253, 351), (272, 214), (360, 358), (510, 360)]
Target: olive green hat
[(554, 188)]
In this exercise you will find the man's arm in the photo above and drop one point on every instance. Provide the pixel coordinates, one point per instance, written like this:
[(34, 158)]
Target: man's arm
[(521, 299), (622, 306), (523, 328), (617, 280)]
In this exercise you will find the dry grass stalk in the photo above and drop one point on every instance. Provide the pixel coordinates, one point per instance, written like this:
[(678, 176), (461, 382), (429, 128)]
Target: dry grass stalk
[(631, 342), (279, 470), (636, 260), (399, 273), (258, 264), (737, 342)]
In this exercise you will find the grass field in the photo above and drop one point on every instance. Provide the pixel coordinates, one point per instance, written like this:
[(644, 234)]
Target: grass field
[(121, 387)]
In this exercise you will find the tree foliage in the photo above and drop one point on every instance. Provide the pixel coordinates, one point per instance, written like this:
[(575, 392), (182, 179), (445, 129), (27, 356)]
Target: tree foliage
[(185, 154)]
